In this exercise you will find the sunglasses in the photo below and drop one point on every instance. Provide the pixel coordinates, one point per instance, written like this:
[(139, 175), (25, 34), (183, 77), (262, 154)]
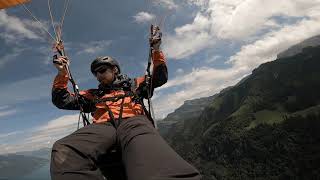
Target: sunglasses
[(101, 70)]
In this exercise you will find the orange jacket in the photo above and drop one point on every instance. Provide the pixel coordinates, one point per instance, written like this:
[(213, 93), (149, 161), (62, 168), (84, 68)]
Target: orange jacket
[(93, 99)]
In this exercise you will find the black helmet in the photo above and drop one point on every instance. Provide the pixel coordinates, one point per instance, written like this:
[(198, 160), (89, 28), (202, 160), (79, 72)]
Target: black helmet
[(106, 60)]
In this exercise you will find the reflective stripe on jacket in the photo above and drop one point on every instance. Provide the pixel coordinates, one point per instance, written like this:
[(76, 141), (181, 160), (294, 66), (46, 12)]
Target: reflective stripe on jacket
[(63, 99)]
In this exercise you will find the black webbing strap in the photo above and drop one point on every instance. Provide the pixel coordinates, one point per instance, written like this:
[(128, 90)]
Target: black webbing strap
[(115, 99), (85, 120), (120, 113), (123, 96), (113, 121), (147, 113)]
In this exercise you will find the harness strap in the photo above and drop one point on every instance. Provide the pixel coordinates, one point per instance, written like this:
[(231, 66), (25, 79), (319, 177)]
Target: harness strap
[(113, 122), (84, 119), (123, 96), (120, 114), (114, 99), (147, 113)]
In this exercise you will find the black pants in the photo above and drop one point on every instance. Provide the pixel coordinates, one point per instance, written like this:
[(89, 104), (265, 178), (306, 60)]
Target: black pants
[(145, 155)]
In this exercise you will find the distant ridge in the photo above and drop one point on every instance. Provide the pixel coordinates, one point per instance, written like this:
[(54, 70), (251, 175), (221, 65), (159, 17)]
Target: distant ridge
[(293, 50)]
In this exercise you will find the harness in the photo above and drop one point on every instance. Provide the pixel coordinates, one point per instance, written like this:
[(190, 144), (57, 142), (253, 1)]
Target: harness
[(125, 84)]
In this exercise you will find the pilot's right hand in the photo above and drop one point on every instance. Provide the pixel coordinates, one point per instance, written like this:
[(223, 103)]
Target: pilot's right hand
[(60, 62)]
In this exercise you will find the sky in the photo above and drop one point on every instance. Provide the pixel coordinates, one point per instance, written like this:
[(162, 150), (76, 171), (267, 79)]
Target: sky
[(209, 45)]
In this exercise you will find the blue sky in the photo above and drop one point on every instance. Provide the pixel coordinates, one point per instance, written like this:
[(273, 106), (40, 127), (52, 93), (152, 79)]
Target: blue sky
[(209, 45)]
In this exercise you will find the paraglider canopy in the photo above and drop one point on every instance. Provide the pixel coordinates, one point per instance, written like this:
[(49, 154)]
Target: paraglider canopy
[(8, 3)]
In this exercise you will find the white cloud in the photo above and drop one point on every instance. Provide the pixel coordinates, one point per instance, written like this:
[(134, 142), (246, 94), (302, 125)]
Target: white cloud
[(189, 39), (33, 89), (93, 47), (213, 59), (46, 53), (7, 112), (54, 130), (200, 3), (38, 137), (169, 4), (239, 19), (10, 134), (179, 71), (143, 17), (4, 107), (235, 20), (267, 48), (15, 29), (10, 56)]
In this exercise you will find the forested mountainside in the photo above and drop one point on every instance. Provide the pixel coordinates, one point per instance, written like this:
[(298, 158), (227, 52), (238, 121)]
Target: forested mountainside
[(266, 127)]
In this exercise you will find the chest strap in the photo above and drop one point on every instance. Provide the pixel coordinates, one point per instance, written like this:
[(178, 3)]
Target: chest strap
[(115, 99)]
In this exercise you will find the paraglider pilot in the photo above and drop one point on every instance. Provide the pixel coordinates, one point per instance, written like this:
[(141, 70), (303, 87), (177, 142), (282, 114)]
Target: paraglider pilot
[(119, 118)]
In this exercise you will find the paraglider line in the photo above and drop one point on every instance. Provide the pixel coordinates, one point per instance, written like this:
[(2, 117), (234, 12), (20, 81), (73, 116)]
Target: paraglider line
[(51, 17), (66, 4), (42, 26)]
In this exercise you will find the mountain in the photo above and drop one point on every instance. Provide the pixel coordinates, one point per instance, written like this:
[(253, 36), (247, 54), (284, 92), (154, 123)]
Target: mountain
[(265, 127), (14, 166), (189, 109), (313, 41), (44, 153)]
